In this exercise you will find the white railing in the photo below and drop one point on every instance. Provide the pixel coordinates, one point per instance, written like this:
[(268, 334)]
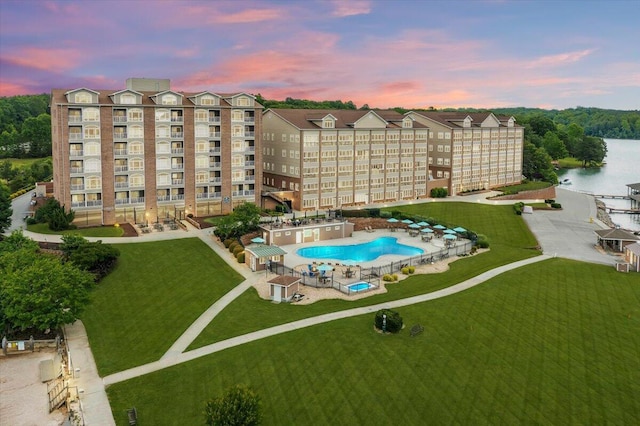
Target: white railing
[(163, 198), (77, 170), (77, 204), (122, 184), (177, 150), (77, 187), (137, 200), (177, 181), (122, 201), (214, 134), (94, 203), (120, 151), (76, 153), (177, 166), (177, 197), (121, 168), (214, 164), (75, 119), (214, 119), (75, 136), (249, 163), (119, 119), (120, 135), (216, 150), (215, 179), (249, 119), (177, 134), (179, 119)]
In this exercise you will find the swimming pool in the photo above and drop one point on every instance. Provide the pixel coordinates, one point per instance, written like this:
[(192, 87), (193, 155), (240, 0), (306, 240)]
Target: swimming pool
[(356, 287), (364, 252)]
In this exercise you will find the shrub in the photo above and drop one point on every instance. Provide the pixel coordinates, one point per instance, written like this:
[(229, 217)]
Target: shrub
[(239, 406), (395, 277), (233, 245), (387, 277), (517, 208), (237, 249), (549, 201), (439, 192), (385, 214), (388, 321), (412, 269), (482, 241), (405, 270), (240, 257), (556, 205), (474, 249), (228, 242), (374, 212)]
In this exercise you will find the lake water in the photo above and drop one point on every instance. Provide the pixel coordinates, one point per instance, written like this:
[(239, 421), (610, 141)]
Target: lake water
[(622, 167)]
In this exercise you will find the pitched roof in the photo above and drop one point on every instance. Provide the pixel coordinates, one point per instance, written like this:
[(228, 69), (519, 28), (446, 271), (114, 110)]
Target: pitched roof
[(616, 234), (285, 280), (634, 186), (344, 118), (454, 119), (633, 248), (261, 250)]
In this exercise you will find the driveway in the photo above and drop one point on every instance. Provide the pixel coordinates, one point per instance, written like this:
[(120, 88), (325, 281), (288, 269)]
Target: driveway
[(569, 232)]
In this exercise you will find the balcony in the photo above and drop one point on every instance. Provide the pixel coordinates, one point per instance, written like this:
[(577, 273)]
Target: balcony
[(177, 119), (119, 119), (250, 148), (121, 168), (75, 119), (177, 150), (214, 119), (94, 203), (122, 201), (77, 204), (77, 169), (249, 163), (214, 135), (177, 197), (120, 135), (76, 153), (177, 181), (214, 164), (202, 195), (249, 119), (136, 200), (215, 150), (249, 134), (77, 187), (120, 151), (215, 179), (164, 198), (177, 166), (122, 184), (177, 134), (250, 178), (75, 136)]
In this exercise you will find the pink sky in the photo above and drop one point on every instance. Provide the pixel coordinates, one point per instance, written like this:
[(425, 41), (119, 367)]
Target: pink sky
[(413, 54)]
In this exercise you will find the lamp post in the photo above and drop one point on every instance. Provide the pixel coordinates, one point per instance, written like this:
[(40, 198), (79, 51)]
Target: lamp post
[(384, 323)]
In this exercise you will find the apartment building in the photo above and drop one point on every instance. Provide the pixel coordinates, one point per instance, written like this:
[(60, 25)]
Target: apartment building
[(473, 150), (145, 153), (339, 158)]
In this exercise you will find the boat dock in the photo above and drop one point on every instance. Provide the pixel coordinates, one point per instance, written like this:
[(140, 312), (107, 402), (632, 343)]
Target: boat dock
[(621, 210)]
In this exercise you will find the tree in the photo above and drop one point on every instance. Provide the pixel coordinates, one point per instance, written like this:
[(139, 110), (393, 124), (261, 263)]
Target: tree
[(53, 214), (591, 150), (36, 132), (536, 164), (239, 406), (17, 241), (5, 208), (94, 257), (248, 215), (554, 146), (38, 291)]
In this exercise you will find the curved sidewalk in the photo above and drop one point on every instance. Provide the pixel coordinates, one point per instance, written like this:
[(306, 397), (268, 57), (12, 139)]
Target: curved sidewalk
[(166, 362)]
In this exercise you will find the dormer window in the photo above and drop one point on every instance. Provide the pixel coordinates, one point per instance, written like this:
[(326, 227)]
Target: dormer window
[(467, 122), (407, 123), (169, 100), (83, 98), (242, 101), (207, 100), (511, 122), (328, 123), (127, 98)]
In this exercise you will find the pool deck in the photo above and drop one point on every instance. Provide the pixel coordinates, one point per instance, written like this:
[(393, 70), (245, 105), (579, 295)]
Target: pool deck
[(292, 260)]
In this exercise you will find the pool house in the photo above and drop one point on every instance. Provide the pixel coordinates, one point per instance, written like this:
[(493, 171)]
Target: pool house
[(283, 233)]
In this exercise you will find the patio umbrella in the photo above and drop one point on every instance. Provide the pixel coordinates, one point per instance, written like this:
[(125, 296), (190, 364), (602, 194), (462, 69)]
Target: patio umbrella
[(414, 226), (407, 221), (258, 240), (449, 237), (324, 267), (392, 220), (427, 230), (460, 229), (449, 231), (439, 227), (423, 223)]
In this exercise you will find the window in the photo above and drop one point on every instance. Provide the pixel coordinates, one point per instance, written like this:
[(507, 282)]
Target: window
[(242, 101), (92, 165), (169, 100), (163, 115), (207, 100), (92, 148), (135, 132), (328, 123), (135, 115), (127, 98), (83, 98), (284, 153), (91, 132), (284, 168), (202, 161), (91, 114)]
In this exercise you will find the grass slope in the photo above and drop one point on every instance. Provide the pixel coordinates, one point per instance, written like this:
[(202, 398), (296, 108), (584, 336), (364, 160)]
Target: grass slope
[(510, 241), (97, 231), (157, 290), (552, 343)]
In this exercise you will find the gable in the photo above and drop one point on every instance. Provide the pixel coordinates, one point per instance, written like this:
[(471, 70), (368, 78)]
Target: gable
[(490, 121), (82, 96), (371, 120)]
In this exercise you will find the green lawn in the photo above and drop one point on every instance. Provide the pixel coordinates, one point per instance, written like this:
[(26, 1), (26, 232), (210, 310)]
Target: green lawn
[(510, 240), (23, 162), (97, 231), (156, 291), (529, 186), (552, 343)]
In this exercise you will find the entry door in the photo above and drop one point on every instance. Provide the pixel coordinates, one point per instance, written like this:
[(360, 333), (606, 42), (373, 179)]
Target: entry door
[(253, 263), (298, 237), (316, 234), (277, 294)]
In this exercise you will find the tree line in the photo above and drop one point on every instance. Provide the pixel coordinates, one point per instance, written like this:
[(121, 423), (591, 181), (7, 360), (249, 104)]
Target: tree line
[(25, 126)]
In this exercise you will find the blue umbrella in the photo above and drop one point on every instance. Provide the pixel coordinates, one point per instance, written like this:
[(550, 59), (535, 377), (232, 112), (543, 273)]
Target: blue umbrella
[(449, 231), (449, 237), (407, 221), (460, 229), (258, 240), (414, 226), (439, 227), (392, 220), (324, 267), (423, 223), (427, 230)]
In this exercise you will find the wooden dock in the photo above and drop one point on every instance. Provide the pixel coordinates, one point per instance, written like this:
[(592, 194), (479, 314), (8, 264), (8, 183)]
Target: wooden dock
[(621, 210), (616, 197)]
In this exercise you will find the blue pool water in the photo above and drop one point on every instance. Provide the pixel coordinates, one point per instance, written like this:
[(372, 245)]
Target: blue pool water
[(359, 287), (364, 252)]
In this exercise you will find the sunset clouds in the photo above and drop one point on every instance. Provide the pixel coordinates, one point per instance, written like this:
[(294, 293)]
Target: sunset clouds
[(383, 53)]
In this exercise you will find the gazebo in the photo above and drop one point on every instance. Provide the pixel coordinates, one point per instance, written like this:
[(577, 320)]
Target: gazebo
[(615, 239)]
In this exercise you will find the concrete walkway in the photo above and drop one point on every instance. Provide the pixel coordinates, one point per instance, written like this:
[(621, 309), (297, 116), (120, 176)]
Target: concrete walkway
[(166, 362)]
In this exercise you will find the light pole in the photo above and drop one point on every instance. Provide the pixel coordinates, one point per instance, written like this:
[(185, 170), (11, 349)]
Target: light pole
[(384, 323)]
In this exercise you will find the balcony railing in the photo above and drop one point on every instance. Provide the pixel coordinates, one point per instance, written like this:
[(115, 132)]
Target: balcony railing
[(215, 150), (214, 135), (77, 187), (250, 148), (122, 184), (76, 153), (177, 197), (119, 119), (94, 203), (120, 135), (177, 166), (177, 150), (120, 151), (249, 134), (249, 163), (136, 200), (75, 136), (250, 178), (177, 181), (77, 169), (77, 204), (177, 134), (214, 164), (215, 179), (249, 119), (178, 119), (121, 168), (75, 119), (214, 119), (202, 195), (122, 201), (164, 198)]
